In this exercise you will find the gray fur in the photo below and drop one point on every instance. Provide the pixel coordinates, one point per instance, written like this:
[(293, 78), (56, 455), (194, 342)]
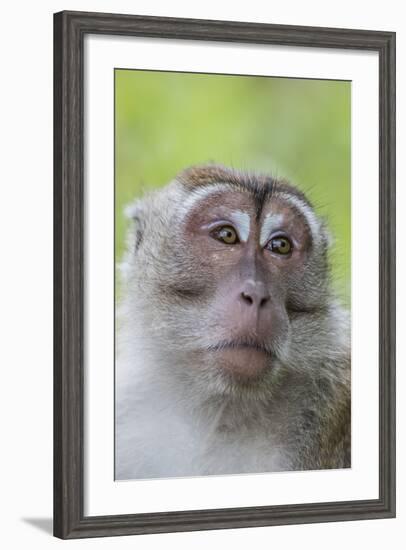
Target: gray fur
[(176, 416)]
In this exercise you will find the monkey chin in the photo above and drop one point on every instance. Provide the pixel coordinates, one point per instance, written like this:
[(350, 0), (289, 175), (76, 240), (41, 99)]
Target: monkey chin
[(243, 363)]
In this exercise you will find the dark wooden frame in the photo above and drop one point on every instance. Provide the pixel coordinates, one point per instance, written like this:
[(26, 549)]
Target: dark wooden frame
[(69, 31)]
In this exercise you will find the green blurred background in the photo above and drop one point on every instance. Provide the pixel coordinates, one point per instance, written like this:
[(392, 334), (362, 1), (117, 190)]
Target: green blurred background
[(296, 128)]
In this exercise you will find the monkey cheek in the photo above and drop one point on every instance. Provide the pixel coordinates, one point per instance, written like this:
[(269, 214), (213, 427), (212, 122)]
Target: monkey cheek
[(242, 363)]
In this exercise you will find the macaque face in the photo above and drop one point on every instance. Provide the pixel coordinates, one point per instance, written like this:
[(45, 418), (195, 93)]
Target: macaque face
[(240, 261)]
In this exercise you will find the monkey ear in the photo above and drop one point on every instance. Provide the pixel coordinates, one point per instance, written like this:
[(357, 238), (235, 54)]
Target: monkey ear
[(136, 213)]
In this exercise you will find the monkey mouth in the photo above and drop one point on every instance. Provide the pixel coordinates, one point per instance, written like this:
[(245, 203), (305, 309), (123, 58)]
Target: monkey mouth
[(242, 344), (243, 359)]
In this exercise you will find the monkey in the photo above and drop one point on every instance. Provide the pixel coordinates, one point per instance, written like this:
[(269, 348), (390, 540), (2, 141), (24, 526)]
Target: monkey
[(233, 353)]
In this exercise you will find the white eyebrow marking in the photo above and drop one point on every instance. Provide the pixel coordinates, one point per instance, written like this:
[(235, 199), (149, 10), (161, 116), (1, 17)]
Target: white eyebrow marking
[(242, 223), (196, 195), (308, 214), (271, 222), (238, 217)]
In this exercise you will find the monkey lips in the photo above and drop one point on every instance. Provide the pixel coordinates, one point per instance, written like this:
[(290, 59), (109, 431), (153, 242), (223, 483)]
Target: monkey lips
[(242, 358)]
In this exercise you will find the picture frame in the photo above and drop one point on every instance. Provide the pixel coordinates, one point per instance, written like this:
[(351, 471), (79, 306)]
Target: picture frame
[(70, 29)]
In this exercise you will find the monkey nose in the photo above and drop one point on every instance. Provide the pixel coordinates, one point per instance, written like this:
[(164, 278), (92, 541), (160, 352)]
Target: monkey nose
[(254, 293)]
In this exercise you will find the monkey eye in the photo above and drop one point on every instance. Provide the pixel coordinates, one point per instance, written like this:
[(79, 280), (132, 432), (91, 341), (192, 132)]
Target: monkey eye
[(280, 245), (226, 234)]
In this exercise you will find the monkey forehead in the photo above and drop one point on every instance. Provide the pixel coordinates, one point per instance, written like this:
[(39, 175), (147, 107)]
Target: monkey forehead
[(261, 185)]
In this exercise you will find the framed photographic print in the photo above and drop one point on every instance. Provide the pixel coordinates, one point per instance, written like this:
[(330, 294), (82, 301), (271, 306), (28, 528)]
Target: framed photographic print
[(224, 274)]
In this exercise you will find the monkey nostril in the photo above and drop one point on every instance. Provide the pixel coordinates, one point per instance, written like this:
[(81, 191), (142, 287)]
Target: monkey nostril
[(263, 302), (252, 298), (247, 298)]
